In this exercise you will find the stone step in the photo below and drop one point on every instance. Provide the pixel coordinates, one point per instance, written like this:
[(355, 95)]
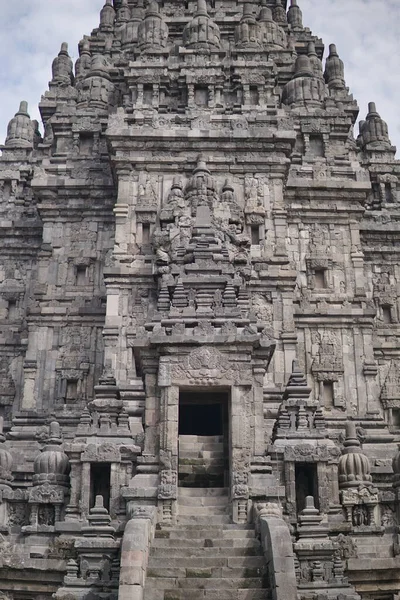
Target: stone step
[(202, 492), (199, 462), (204, 448), (198, 531), (184, 553), (206, 572), (210, 561), (216, 583), (213, 519), (205, 543), (202, 511), (198, 501), (193, 453), (196, 594), (202, 439)]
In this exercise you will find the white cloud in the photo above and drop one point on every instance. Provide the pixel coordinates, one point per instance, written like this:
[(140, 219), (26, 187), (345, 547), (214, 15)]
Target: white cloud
[(365, 32), (31, 33), (366, 35)]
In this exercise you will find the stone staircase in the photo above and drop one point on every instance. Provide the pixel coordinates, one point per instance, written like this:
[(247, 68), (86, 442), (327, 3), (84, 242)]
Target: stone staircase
[(202, 462), (204, 556)]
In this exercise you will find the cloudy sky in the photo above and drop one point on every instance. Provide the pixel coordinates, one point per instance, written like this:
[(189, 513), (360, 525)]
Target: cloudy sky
[(365, 32)]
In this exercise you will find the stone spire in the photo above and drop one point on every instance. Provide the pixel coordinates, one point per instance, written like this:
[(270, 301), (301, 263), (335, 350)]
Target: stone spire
[(84, 62), (304, 88), (247, 32), (334, 70), (62, 67), (107, 16), (279, 12), (152, 31), (21, 130), (129, 33), (316, 64), (295, 16), (271, 33), (354, 467), (124, 12), (97, 87), (202, 33), (374, 129)]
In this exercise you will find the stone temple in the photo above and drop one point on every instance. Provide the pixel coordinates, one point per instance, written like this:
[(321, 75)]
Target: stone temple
[(199, 317)]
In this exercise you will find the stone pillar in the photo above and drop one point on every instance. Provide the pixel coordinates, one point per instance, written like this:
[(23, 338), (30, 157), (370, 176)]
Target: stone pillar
[(134, 559), (278, 548)]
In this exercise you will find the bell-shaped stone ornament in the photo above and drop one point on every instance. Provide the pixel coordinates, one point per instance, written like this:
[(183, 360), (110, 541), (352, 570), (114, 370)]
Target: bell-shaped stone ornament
[(334, 69), (295, 16), (354, 467), (107, 16), (272, 36), (374, 130), (202, 33), (316, 64), (52, 464), (279, 12), (62, 67), (124, 12), (304, 89), (84, 62), (247, 33), (20, 130), (152, 31)]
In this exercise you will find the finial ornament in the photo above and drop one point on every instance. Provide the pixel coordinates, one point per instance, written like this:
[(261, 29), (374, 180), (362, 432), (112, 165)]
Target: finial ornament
[(354, 467), (107, 16), (295, 16), (20, 130), (62, 67), (152, 31), (374, 132), (334, 69), (202, 33), (304, 88)]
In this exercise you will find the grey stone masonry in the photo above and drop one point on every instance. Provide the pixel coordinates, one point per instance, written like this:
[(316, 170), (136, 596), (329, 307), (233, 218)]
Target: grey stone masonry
[(199, 317)]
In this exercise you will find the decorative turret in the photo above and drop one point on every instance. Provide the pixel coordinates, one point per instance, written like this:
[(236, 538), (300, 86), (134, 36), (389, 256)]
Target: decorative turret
[(316, 64), (295, 16), (62, 67), (84, 62), (201, 184), (202, 33), (334, 70), (374, 130), (298, 416), (21, 130), (129, 33), (271, 33), (279, 12), (247, 32), (124, 12), (52, 465), (152, 32), (354, 468), (304, 88), (107, 16), (97, 88)]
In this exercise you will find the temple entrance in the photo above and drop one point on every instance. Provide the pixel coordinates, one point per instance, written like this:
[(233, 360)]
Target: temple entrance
[(203, 439)]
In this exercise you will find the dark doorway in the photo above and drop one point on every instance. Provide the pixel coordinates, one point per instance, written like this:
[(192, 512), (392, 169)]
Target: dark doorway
[(306, 484), (203, 439), (200, 419), (100, 483)]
